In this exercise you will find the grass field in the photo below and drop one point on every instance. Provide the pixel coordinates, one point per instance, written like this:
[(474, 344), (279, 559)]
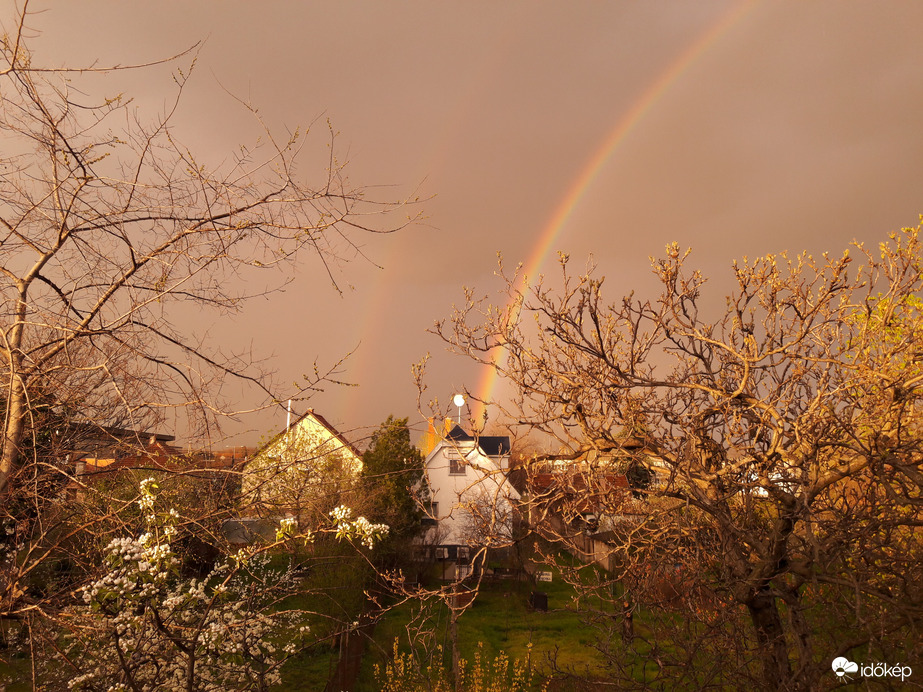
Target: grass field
[(498, 621)]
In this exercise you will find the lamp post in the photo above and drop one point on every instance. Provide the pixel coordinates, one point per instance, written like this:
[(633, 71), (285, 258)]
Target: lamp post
[(459, 400)]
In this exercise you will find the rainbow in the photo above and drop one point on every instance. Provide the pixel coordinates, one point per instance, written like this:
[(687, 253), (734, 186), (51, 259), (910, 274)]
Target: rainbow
[(578, 189)]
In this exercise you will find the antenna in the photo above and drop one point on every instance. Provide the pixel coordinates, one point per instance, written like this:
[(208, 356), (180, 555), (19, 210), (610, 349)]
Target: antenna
[(287, 449), (459, 400)]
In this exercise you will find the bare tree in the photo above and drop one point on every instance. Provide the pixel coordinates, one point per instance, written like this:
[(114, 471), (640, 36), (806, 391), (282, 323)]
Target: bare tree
[(110, 223), (784, 435), (111, 228)]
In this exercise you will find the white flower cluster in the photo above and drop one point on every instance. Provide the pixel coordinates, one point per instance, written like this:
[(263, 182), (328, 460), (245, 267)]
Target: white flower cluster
[(360, 529), (287, 528), (341, 513), (146, 499), (151, 625), (138, 569)]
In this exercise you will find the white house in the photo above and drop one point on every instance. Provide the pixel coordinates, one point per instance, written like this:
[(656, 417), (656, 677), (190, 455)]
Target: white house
[(301, 470), (472, 502)]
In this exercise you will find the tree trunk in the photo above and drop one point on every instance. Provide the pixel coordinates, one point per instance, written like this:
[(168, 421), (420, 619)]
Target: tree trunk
[(456, 667), (16, 402), (12, 431), (770, 637), (801, 633)]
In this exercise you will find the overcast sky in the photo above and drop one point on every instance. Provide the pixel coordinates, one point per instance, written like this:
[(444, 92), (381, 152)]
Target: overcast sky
[(603, 128)]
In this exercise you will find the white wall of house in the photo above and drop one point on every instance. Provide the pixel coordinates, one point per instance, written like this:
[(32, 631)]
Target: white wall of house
[(471, 498), (295, 466)]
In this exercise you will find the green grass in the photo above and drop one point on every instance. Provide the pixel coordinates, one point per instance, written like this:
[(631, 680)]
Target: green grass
[(499, 620), (15, 672), (330, 595), (309, 670)]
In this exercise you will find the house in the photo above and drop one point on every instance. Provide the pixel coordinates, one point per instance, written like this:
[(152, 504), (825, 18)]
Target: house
[(472, 503), (108, 450), (589, 501), (111, 455), (95, 453), (300, 471)]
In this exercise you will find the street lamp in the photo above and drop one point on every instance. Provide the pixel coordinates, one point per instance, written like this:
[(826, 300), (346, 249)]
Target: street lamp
[(459, 400)]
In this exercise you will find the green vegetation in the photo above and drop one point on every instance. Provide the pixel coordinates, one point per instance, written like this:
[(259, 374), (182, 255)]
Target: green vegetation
[(16, 671), (392, 474), (498, 623), (331, 594)]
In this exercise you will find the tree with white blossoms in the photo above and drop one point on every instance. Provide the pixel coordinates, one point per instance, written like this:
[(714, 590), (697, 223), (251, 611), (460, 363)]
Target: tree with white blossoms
[(119, 244), (144, 627)]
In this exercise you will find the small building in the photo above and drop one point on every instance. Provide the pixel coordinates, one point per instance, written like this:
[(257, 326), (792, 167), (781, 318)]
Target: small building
[(590, 502), (472, 503)]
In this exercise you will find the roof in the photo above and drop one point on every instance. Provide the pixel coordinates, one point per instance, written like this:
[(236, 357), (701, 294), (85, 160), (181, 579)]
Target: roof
[(225, 458), (577, 483), (123, 433), (153, 456), (494, 445), (459, 435), (87, 439), (579, 492), (491, 445), (325, 423)]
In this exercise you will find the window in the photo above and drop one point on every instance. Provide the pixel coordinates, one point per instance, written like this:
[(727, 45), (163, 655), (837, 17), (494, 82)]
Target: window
[(462, 553), (433, 511), (456, 461)]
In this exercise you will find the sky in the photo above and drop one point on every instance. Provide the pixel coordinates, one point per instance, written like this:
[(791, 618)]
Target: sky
[(600, 129)]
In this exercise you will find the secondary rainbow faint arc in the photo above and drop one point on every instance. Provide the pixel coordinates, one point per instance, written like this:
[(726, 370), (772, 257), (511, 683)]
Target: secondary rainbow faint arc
[(588, 173)]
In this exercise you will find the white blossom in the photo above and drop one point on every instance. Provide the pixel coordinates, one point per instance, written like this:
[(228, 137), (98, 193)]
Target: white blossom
[(219, 618)]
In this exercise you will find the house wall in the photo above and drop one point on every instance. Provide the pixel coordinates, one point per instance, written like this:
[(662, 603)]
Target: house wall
[(309, 439), (473, 507), (292, 470)]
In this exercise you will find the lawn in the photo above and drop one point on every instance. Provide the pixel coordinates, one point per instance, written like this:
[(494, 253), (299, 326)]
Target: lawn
[(15, 671), (331, 594), (499, 621)]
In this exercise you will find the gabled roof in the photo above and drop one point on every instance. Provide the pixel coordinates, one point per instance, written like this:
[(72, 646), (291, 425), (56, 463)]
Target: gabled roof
[(459, 435), (325, 424)]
